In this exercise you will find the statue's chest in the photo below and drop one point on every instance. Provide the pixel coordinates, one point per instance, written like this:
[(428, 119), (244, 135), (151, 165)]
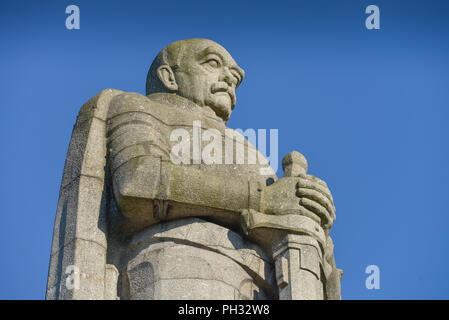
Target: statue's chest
[(220, 152)]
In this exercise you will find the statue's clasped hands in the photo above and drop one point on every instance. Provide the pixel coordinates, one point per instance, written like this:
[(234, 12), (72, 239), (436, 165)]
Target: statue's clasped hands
[(300, 193)]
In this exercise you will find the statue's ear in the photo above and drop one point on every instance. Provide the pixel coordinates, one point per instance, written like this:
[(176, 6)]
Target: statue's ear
[(167, 77)]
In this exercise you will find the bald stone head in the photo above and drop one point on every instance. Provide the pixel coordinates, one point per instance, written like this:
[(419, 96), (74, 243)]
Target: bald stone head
[(200, 70)]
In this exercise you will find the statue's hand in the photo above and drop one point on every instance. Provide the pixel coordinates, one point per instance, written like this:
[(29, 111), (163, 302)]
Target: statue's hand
[(315, 196), (304, 195)]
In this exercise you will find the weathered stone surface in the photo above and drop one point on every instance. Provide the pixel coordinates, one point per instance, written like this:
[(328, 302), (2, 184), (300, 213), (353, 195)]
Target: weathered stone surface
[(111, 276), (79, 240), (174, 265), (137, 220), (81, 262), (208, 238), (298, 260)]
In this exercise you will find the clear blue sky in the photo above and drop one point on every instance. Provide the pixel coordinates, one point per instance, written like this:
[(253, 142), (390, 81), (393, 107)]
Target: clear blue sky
[(368, 108)]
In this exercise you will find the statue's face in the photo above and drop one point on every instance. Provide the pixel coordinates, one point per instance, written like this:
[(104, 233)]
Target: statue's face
[(208, 76)]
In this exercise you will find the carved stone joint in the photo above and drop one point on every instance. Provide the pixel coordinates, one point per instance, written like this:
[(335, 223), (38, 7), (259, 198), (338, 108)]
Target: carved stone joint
[(160, 209)]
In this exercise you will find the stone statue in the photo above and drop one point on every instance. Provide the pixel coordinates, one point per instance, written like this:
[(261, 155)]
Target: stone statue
[(136, 220)]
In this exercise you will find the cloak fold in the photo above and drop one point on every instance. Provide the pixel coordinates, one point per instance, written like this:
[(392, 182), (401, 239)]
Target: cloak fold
[(78, 267)]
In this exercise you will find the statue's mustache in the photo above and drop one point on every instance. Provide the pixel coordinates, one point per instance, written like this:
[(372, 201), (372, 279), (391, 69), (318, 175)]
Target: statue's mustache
[(224, 87)]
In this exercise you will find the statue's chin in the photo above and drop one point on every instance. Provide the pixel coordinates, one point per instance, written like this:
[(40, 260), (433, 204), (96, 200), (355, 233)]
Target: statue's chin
[(222, 105)]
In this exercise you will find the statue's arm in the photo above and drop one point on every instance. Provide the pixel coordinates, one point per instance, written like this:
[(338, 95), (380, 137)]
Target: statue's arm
[(143, 174), (154, 178)]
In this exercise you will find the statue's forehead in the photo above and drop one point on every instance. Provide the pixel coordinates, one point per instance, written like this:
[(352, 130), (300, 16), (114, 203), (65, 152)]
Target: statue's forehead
[(203, 48), (218, 50)]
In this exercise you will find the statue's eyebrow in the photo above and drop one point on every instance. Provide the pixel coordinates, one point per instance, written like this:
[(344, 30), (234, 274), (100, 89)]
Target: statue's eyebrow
[(210, 50)]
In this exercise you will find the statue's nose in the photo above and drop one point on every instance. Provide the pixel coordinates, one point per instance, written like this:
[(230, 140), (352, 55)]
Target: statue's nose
[(227, 76)]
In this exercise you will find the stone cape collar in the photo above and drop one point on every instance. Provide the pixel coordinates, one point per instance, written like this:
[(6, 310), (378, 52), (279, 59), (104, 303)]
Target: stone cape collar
[(185, 104)]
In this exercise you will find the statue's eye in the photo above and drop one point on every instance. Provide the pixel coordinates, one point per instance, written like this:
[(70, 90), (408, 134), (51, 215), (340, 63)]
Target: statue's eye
[(213, 63)]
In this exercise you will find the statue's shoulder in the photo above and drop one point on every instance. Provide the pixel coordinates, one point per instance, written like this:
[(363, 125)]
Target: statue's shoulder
[(129, 102), (98, 105)]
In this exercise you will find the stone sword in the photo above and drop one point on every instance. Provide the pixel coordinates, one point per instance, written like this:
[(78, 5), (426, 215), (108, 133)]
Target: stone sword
[(298, 257)]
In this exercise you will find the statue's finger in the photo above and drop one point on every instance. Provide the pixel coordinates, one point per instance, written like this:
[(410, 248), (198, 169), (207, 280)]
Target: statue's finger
[(303, 211), (317, 196), (318, 209), (300, 210), (303, 183)]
